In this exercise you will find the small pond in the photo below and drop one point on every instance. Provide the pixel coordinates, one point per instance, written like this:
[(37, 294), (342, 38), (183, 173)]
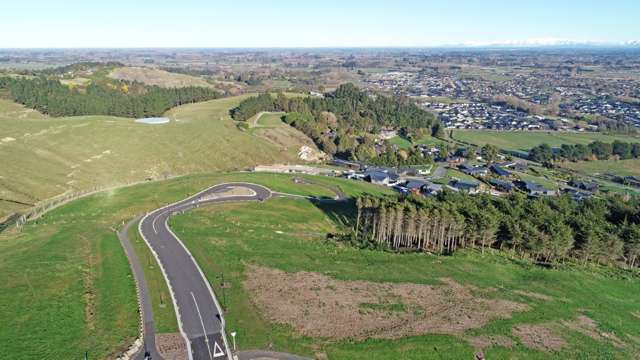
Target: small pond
[(153, 120)]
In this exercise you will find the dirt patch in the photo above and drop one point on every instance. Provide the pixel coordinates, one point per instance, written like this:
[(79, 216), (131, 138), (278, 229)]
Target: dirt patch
[(539, 337), (485, 342), (534, 295), (233, 191), (171, 346), (588, 327), (284, 136), (319, 306)]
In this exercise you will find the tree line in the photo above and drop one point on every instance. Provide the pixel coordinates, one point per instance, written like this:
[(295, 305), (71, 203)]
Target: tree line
[(56, 99), (596, 150), (550, 230), (346, 122)]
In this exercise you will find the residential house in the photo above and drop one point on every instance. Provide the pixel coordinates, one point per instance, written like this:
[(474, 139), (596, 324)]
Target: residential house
[(584, 185), (381, 177), (501, 185), (415, 186), (534, 189), (348, 164), (474, 170), (471, 187), (432, 189), (500, 171)]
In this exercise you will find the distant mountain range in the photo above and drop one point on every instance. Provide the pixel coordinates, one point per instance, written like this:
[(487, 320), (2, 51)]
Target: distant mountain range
[(547, 42)]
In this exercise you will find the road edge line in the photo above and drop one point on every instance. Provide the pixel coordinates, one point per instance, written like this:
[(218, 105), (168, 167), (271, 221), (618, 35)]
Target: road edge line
[(166, 279), (215, 299)]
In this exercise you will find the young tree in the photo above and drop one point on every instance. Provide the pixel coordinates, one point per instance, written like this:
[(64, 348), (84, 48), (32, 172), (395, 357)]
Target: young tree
[(490, 153)]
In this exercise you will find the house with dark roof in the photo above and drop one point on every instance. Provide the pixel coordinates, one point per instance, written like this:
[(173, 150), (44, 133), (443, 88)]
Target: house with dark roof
[(500, 171), (432, 189), (584, 185), (473, 170), (501, 185), (470, 187), (415, 186), (534, 189), (578, 195), (348, 164), (381, 176)]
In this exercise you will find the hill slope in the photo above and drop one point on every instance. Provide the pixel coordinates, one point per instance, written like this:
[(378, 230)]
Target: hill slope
[(157, 77), (43, 156)]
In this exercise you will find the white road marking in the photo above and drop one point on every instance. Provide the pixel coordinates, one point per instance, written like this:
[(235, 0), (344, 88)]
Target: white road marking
[(204, 331), (153, 224), (217, 350)]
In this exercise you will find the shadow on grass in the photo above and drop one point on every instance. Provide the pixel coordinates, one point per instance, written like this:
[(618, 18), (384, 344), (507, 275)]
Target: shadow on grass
[(342, 212)]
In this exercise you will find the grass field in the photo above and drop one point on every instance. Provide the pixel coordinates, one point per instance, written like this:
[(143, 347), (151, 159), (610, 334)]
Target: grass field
[(65, 283), (42, 157), (157, 77), (403, 143), (452, 174), (270, 119), (523, 141), (289, 235), (629, 167)]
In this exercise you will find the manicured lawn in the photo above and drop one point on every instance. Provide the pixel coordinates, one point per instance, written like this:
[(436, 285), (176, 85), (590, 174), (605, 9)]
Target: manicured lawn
[(289, 235), (404, 143), (401, 142), (541, 180)]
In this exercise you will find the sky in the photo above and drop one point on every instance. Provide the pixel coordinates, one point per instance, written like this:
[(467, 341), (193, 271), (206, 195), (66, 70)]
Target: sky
[(302, 23)]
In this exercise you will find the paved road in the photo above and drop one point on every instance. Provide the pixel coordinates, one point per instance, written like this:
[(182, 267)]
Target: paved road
[(149, 329), (197, 309), (440, 171)]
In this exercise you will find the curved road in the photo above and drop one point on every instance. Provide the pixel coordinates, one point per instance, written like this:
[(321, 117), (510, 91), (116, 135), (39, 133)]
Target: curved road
[(198, 312)]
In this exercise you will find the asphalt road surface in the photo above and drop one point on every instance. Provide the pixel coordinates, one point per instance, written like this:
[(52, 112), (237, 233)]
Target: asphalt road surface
[(149, 340), (198, 311)]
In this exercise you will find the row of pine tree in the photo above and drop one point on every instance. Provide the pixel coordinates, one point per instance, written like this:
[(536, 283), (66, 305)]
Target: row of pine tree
[(548, 230)]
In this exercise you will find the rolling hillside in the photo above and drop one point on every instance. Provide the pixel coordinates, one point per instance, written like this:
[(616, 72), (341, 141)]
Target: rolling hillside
[(44, 157)]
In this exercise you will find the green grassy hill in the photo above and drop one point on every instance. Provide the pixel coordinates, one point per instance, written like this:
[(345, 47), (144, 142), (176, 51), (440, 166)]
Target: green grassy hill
[(43, 156), (572, 313), (66, 288), (65, 283)]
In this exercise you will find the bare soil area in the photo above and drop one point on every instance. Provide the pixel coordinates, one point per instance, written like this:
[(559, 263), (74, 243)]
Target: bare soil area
[(171, 346), (588, 327), (320, 306), (539, 337)]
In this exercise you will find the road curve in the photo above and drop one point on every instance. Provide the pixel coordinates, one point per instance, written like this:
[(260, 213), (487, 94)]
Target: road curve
[(198, 312)]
